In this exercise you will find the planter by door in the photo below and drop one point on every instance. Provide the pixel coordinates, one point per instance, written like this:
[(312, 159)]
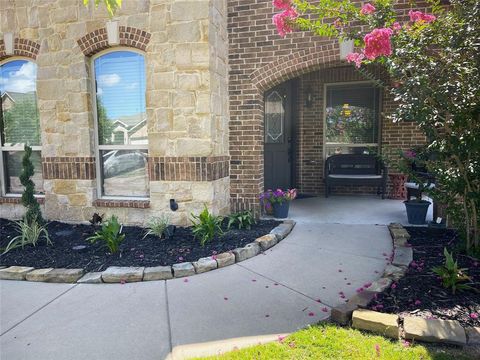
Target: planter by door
[(280, 211), (417, 211)]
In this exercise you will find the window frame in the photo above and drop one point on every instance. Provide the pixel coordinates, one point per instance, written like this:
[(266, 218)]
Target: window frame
[(325, 101), (4, 149), (98, 147)]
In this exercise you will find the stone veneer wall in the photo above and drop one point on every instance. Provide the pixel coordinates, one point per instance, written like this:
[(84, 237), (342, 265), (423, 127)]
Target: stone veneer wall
[(260, 59), (187, 108)]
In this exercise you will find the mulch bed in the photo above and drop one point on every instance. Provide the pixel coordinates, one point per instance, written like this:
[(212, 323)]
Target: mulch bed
[(134, 251), (420, 291)]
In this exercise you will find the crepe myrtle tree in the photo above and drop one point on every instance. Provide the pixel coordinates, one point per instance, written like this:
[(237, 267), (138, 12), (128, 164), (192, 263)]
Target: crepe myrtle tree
[(434, 66)]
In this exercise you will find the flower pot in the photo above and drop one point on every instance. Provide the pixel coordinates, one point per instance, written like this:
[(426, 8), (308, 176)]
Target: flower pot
[(417, 211), (280, 210)]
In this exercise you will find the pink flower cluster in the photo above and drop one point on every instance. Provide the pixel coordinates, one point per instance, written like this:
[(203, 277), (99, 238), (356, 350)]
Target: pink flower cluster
[(377, 43), (284, 20), (418, 16), (367, 9)]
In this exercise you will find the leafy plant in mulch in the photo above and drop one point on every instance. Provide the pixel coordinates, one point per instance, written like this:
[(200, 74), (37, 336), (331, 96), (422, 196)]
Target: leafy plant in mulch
[(157, 226), (206, 225), (110, 234), (242, 220), (452, 276), (29, 234)]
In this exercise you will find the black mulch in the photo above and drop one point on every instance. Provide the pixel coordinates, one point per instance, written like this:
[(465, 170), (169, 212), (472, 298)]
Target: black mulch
[(134, 251), (420, 291)]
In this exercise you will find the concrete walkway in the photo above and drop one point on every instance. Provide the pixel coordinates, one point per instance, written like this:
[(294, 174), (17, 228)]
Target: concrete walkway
[(292, 285)]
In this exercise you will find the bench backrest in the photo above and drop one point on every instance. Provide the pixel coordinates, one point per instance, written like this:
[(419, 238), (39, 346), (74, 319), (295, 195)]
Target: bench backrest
[(353, 164)]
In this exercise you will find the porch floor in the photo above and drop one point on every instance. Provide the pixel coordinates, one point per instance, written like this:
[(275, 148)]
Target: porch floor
[(358, 209)]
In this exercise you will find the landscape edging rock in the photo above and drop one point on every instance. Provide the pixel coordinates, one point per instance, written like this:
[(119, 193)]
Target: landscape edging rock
[(202, 265), (344, 315)]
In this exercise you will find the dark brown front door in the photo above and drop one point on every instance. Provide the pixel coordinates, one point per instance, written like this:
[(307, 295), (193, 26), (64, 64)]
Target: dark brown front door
[(278, 138)]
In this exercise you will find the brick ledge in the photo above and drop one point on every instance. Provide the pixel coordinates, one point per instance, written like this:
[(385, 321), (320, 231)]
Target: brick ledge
[(18, 200), (136, 204)]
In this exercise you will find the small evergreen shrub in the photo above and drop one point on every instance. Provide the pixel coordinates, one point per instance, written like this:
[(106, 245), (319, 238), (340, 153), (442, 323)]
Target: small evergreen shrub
[(110, 234), (33, 213), (206, 226)]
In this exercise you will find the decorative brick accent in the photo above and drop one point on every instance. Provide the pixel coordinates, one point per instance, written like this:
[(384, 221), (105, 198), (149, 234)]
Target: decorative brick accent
[(97, 40), (21, 47), (137, 204), (188, 168), (69, 168), (18, 200)]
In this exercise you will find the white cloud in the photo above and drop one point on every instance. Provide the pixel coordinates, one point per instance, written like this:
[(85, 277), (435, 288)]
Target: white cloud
[(132, 86), (99, 91), (22, 80), (108, 80)]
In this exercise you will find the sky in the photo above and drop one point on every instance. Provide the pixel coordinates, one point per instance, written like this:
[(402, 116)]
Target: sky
[(120, 77), (18, 76)]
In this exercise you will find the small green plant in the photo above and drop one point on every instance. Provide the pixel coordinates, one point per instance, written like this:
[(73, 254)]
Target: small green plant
[(29, 234), (452, 276), (156, 226), (241, 220), (110, 234), (206, 226), (33, 213)]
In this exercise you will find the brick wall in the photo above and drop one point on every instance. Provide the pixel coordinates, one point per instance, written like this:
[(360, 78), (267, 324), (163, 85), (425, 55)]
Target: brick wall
[(259, 59)]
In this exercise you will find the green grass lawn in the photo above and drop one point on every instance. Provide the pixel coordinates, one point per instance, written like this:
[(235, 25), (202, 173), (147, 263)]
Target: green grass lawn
[(327, 341)]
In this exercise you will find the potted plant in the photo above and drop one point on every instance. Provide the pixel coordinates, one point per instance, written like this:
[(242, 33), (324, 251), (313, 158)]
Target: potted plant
[(278, 201), (413, 163)]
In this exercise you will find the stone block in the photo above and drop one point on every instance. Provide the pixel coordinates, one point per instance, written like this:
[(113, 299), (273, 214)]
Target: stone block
[(403, 256), (434, 330), (204, 265), (63, 275), (183, 269), (379, 323), (342, 314), (394, 272), (248, 251), (116, 274), (157, 273), (362, 299), (399, 233), (473, 335), (15, 272), (282, 230), (380, 285), (189, 10), (91, 278), (225, 259), (37, 274), (267, 241)]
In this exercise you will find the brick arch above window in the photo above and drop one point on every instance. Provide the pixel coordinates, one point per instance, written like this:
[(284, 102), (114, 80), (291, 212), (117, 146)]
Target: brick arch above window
[(97, 40), (21, 47), (295, 64)]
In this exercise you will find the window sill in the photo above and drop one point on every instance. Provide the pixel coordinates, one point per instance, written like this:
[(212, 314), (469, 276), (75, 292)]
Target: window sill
[(18, 199), (136, 204)]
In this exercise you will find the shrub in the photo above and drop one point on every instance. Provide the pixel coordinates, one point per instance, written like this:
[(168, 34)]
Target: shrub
[(29, 234), (33, 213), (110, 234), (157, 226), (206, 226), (452, 276), (244, 219)]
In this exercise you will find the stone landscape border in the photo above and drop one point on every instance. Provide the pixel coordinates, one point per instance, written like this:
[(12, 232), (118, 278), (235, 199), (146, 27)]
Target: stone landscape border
[(354, 312), (118, 274)]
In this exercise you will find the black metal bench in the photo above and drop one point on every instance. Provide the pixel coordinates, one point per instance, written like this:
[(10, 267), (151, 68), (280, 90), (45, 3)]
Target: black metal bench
[(350, 169)]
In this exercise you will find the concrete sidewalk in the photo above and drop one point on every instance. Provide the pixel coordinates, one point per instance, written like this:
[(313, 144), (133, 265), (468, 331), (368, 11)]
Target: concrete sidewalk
[(292, 285)]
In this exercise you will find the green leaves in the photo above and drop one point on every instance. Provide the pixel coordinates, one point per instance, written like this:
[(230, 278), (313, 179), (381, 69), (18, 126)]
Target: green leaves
[(452, 276), (112, 5), (242, 220), (110, 234), (206, 226), (33, 213), (29, 234), (157, 226)]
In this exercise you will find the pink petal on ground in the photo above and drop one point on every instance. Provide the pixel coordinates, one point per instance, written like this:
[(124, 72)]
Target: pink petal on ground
[(393, 286), (185, 280), (225, 298), (473, 316), (367, 285), (311, 314), (318, 300), (276, 284), (281, 338), (340, 270), (253, 280), (342, 296), (122, 282), (324, 309)]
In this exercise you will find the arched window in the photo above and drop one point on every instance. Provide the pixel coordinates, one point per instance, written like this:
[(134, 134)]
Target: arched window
[(19, 123), (121, 125)]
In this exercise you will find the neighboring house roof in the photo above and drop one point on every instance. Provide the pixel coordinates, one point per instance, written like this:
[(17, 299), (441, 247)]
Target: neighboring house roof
[(16, 96), (131, 121)]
